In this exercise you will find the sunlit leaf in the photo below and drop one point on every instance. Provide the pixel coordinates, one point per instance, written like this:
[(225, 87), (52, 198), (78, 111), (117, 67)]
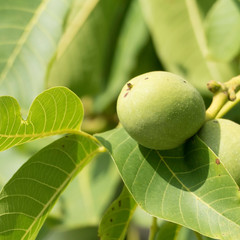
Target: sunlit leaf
[(185, 185), (55, 111), (178, 32), (29, 33), (27, 198)]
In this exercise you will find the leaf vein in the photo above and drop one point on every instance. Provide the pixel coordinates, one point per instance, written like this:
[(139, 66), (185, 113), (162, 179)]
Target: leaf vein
[(23, 39)]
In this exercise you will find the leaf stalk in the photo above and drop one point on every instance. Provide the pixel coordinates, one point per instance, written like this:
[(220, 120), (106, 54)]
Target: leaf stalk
[(226, 96), (153, 229)]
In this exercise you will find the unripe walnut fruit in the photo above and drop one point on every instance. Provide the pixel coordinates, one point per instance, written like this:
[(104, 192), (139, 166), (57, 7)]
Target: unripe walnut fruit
[(223, 137), (160, 110)]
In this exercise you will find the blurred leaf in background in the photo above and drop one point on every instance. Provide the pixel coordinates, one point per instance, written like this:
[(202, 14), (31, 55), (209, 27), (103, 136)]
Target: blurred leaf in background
[(86, 49), (133, 39), (172, 231), (177, 28), (222, 30), (29, 34), (86, 233), (105, 50)]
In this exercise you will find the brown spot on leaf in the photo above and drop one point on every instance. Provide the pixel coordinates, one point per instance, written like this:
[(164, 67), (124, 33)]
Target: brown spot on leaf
[(119, 203), (111, 220), (217, 161)]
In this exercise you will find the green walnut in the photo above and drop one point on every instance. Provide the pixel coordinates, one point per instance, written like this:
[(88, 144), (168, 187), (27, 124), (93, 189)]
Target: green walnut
[(160, 110), (223, 137)]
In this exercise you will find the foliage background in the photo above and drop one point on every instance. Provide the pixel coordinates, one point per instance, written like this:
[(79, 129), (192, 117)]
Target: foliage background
[(93, 47)]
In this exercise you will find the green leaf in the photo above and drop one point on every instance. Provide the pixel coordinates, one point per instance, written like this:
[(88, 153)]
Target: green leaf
[(222, 30), (116, 219), (184, 185), (179, 36), (29, 33), (86, 49), (27, 198), (55, 111), (134, 35)]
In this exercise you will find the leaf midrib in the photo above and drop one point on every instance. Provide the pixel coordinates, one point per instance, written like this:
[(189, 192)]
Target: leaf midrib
[(181, 183), (20, 43), (42, 135)]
